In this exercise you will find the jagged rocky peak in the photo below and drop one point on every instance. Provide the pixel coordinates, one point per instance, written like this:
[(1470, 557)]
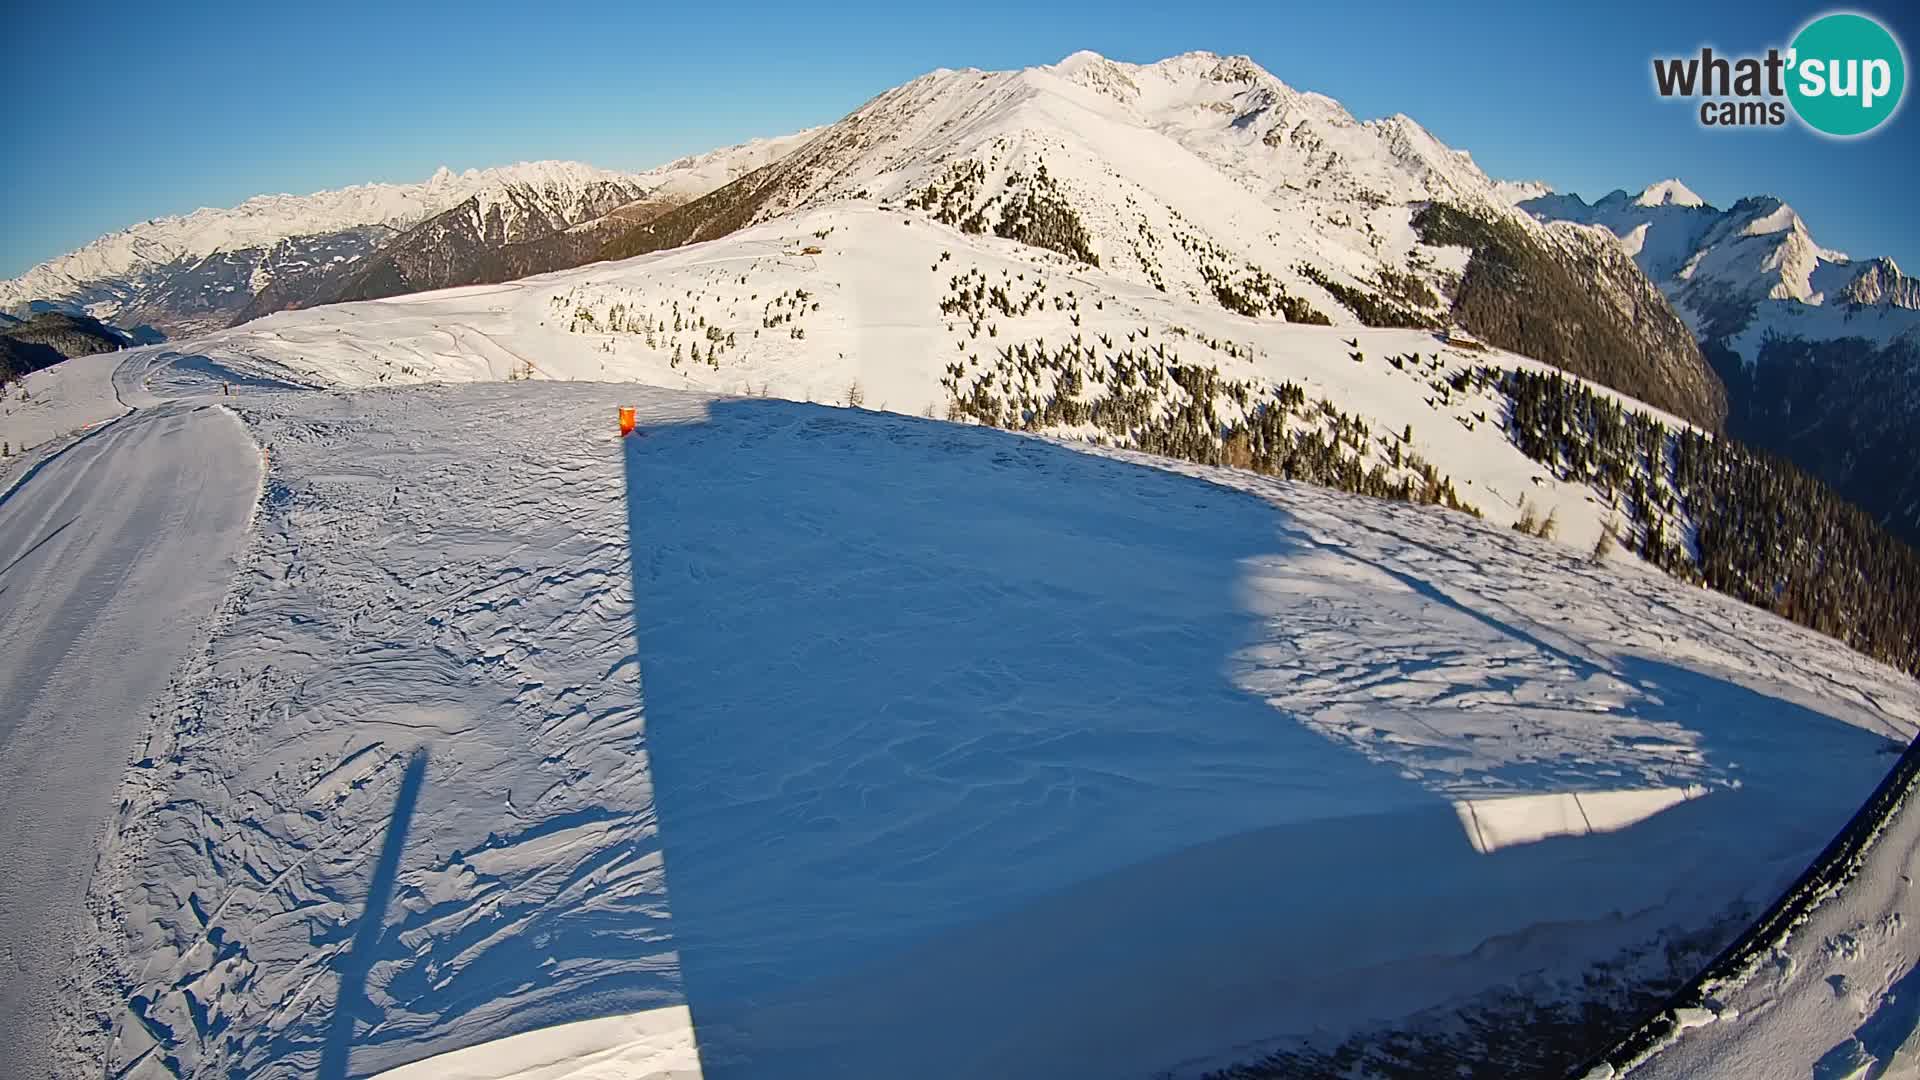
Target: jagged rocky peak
[(1096, 72), (1762, 215), (1881, 282), (1122, 81)]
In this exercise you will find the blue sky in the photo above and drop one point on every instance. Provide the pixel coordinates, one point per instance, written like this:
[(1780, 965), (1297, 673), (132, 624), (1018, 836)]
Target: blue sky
[(143, 109)]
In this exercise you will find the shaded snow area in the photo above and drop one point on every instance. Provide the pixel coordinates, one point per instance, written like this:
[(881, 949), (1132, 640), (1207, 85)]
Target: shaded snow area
[(870, 745)]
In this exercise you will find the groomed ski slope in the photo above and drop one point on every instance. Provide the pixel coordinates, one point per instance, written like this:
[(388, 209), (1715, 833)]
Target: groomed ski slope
[(114, 553), (883, 744)]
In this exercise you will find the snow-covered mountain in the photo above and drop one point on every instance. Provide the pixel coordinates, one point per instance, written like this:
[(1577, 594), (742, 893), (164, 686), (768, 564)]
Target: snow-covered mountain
[(199, 271), (1201, 175), (499, 236), (1205, 177), (1820, 352), (1747, 271)]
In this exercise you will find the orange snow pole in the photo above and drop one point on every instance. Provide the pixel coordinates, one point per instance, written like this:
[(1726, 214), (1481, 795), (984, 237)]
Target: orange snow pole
[(626, 420)]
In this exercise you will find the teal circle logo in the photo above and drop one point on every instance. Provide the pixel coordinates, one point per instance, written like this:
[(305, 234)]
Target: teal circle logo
[(1848, 74)]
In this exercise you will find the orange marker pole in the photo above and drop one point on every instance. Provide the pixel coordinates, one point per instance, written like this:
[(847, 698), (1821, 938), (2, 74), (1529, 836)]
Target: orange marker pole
[(626, 420)]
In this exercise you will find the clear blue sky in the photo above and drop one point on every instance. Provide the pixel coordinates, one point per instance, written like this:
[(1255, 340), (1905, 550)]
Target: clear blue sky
[(122, 111)]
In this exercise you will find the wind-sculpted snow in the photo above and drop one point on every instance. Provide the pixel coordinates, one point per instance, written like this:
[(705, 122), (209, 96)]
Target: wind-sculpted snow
[(973, 754), (393, 607)]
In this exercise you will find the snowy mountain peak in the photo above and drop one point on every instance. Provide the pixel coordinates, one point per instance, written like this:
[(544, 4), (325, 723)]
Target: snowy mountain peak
[(1880, 281), (1669, 193), (1175, 77), (1514, 192), (1096, 72), (1762, 215)]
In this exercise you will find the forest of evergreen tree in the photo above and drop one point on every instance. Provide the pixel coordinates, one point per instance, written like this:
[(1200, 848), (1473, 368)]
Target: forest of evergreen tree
[(1744, 522)]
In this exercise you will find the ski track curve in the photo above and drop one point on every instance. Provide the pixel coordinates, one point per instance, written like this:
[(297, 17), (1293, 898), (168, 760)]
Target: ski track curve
[(114, 553)]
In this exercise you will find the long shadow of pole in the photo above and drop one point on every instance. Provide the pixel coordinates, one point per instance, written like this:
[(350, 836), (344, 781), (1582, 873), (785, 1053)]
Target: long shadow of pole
[(352, 998)]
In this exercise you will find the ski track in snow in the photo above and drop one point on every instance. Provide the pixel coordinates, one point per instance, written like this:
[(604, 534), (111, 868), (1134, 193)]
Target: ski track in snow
[(974, 753), (112, 559)]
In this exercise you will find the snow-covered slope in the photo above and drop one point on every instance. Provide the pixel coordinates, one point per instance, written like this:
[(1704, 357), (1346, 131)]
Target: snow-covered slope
[(857, 301), (116, 555), (197, 271), (867, 738), (1825, 984)]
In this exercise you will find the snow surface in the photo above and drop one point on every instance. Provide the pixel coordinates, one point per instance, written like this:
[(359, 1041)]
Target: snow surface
[(113, 557), (657, 1043), (1838, 1000), (959, 752)]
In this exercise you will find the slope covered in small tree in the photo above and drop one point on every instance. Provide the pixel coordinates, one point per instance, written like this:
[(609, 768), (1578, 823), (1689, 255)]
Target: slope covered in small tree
[(1583, 307)]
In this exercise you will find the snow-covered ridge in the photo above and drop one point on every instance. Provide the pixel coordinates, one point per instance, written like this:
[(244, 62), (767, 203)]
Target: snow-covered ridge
[(110, 273), (265, 219)]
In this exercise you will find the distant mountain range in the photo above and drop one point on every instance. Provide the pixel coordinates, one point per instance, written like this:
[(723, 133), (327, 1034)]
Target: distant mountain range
[(208, 269), (1820, 353)]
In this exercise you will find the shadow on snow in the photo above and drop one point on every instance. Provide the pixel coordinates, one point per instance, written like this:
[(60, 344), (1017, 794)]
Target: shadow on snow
[(953, 778), (351, 1003)]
